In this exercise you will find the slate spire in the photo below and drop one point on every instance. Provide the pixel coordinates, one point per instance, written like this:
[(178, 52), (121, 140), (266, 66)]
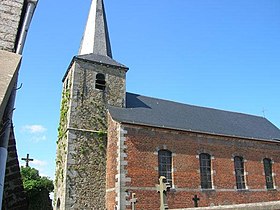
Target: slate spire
[(96, 37)]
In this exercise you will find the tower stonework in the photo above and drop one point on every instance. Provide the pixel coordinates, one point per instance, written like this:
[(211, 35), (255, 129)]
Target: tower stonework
[(92, 82)]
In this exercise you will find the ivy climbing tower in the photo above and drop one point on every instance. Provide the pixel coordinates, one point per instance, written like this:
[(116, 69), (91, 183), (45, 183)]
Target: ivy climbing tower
[(92, 82)]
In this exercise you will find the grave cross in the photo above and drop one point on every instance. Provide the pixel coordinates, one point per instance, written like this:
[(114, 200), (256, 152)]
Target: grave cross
[(195, 200), (133, 201), (162, 189), (27, 160)]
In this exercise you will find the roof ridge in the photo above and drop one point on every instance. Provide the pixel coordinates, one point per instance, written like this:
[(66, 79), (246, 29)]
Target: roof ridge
[(204, 107)]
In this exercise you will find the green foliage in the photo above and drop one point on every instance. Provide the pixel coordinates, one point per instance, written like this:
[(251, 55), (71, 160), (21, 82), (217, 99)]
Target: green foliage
[(33, 183), (101, 133), (101, 140), (63, 113)]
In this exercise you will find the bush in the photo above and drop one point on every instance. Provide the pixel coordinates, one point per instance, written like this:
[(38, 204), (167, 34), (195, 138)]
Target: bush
[(37, 188)]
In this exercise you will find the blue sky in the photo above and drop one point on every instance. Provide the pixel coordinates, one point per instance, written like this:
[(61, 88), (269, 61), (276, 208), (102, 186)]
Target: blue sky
[(213, 53)]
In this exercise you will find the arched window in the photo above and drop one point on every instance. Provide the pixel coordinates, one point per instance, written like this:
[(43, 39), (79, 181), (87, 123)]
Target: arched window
[(239, 172), (165, 165), (268, 173), (100, 82), (205, 171)]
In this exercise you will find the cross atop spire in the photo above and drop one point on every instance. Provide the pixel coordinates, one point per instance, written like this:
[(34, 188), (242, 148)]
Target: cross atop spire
[(96, 37)]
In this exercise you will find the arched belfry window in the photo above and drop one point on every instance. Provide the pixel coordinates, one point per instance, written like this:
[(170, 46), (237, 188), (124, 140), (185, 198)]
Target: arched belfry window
[(205, 171), (267, 163), (100, 82), (239, 172), (165, 165)]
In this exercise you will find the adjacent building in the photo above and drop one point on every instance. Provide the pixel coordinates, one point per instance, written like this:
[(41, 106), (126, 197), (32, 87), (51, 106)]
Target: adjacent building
[(15, 17)]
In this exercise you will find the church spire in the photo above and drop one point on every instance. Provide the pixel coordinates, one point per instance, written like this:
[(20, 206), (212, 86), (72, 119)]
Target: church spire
[(96, 37)]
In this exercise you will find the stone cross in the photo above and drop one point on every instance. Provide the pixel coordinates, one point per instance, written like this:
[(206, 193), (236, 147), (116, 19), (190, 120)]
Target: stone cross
[(133, 201), (195, 200), (27, 160), (162, 189)]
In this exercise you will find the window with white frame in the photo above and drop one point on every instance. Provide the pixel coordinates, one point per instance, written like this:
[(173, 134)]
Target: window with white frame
[(205, 171), (267, 163), (239, 172), (165, 165)]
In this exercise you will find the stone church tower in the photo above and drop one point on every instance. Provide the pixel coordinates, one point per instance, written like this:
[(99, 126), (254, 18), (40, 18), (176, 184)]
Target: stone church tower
[(92, 82)]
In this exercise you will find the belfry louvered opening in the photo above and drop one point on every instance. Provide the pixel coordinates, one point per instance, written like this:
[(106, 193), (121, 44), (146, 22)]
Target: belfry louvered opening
[(100, 82)]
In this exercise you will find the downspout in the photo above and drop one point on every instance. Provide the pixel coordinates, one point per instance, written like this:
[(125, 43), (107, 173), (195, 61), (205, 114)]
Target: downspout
[(31, 5), (4, 139), (8, 114)]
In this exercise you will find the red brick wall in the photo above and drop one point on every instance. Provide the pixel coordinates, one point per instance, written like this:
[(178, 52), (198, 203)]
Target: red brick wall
[(143, 143)]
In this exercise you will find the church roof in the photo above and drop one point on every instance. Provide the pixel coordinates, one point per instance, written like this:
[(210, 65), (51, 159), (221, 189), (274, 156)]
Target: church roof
[(149, 111), (97, 58)]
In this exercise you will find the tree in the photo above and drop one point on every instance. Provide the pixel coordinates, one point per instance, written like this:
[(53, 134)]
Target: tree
[(37, 188)]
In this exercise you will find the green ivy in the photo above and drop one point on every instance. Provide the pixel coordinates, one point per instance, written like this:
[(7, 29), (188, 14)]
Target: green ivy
[(63, 114)]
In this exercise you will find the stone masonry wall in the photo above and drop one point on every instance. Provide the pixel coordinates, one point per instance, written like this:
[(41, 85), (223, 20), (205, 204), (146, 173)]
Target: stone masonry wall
[(62, 143), (84, 141), (10, 16), (142, 145), (89, 105)]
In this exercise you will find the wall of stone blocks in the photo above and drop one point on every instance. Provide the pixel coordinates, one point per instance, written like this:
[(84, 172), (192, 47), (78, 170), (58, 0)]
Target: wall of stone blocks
[(10, 16), (142, 145)]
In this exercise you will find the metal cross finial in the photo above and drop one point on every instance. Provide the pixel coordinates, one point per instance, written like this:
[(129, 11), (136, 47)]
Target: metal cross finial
[(162, 189), (195, 200), (263, 111), (27, 160), (133, 201)]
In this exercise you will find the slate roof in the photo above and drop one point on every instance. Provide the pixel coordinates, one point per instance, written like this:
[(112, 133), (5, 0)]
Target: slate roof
[(167, 114), (96, 36), (101, 59)]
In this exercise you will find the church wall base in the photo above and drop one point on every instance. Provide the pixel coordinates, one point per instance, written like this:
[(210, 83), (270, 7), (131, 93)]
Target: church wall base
[(251, 206)]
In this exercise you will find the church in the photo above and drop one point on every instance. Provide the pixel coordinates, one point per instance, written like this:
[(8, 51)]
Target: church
[(113, 145)]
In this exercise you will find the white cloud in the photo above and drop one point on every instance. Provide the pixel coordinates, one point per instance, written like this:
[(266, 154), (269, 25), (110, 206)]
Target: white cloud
[(39, 163), (34, 163), (34, 129), (43, 168), (34, 133)]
